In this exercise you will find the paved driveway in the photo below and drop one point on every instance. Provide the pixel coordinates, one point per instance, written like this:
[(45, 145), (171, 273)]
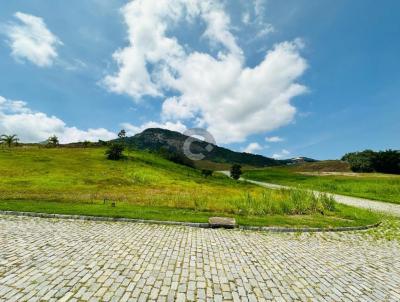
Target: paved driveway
[(60, 260)]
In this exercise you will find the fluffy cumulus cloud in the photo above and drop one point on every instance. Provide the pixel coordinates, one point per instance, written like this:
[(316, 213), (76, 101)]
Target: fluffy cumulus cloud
[(32, 127), (253, 148), (283, 154), (274, 139), (215, 90), (31, 40)]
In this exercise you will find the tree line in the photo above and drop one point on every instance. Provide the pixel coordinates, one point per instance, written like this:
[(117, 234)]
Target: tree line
[(370, 161)]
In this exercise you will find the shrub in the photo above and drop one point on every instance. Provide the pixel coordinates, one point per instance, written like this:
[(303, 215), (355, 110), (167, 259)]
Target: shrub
[(115, 151), (236, 171), (206, 173)]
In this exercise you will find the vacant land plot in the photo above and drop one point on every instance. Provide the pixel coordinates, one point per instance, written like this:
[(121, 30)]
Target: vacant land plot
[(143, 185), (381, 187)]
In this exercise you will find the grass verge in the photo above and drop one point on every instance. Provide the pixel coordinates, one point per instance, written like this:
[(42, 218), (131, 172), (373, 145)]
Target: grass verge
[(379, 187), (343, 215)]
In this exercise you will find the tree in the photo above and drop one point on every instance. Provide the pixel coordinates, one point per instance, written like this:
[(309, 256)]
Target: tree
[(9, 140), (115, 151), (368, 161), (361, 161), (236, 171), (53, 141), (86, 144), (387, 162), (122, 134), (207, 173)]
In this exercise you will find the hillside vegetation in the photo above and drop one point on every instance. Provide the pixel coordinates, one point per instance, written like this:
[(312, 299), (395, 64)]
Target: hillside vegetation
[(322, 166), (164, 141), (332, 177), (143, 185), (370, 161)]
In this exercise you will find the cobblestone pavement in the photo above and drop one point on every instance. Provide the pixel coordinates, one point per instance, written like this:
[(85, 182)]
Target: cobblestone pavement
[(65, 260)]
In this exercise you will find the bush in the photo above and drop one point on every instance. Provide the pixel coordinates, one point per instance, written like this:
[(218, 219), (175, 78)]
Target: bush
[(115, 151), (206, 173), (236, 171)]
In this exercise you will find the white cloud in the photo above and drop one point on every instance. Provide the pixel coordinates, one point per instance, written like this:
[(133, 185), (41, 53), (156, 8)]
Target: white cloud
[(252, 148), (33, 127), (147, 22), (31, 40), (218, 92), (265, 30), (274, 139), (246, 18), (132, 129), (283, 154)]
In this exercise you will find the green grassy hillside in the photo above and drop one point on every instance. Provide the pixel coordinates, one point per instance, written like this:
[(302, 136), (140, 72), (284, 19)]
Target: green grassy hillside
[(319, 176), (83, 181)]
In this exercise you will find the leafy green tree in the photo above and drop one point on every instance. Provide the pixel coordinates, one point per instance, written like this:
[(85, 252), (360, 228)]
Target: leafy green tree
[(236, 171), (102, 143), (115, 151), (86, 144), (53, 141), (387, 162), (361, 161), (122, 134), (9, 140)]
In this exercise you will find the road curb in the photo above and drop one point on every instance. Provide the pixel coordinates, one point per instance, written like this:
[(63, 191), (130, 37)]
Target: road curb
[(189, 224), (309, 230)]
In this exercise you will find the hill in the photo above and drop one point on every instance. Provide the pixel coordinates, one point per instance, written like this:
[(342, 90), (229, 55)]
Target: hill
[(162, 140), (146, 186), (322, 166)]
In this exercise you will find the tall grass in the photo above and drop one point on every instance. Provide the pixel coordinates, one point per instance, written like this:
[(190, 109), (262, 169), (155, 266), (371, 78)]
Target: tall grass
[(283, 202)]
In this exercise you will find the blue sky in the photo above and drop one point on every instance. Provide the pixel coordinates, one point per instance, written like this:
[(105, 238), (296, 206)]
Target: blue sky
[(280, 78)]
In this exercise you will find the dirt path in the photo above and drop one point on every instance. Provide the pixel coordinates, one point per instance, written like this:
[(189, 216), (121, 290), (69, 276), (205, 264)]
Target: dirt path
[(373, 205)]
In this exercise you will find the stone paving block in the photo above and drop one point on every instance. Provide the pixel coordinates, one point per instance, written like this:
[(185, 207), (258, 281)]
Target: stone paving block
[(67, 260)]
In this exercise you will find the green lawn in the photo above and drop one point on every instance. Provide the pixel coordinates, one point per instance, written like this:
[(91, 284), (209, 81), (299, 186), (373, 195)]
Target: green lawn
[(381, 187), (78, 180)]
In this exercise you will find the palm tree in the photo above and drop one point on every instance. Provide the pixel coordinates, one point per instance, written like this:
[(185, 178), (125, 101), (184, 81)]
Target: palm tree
[(9, 140)]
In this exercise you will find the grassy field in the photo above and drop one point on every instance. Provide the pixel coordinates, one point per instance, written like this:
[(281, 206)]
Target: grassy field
[(82, 181), (381, 187)]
